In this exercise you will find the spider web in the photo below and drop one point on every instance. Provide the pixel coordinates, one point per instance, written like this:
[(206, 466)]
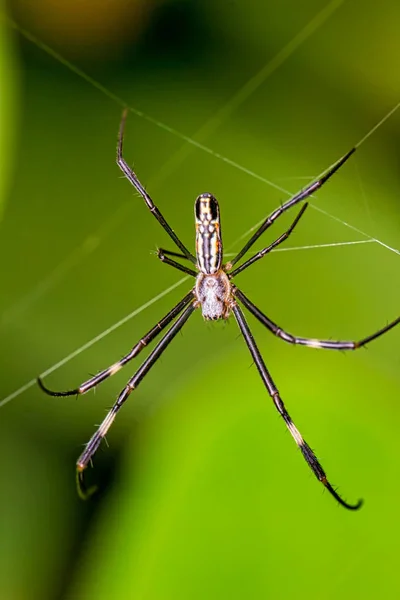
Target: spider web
[(356, 236), (195, 142)]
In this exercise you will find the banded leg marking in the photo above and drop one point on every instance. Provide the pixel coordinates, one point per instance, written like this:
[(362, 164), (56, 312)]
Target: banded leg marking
[(132, 178), (308, 454), (302, 195), (132, 384), (100, 377), (268, 249), (311, 343)]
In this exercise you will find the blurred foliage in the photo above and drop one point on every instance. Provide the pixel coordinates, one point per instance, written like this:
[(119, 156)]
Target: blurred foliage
[(8, 109), (203, 494), (92, 30)]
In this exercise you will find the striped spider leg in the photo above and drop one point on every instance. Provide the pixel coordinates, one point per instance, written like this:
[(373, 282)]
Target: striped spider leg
[(186, 303), (131, 176), (302, 195), (217, 297), (308, 454), (310, 342)]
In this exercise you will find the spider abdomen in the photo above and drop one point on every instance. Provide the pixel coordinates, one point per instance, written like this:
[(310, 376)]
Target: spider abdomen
[(208, 234), (214, 295)]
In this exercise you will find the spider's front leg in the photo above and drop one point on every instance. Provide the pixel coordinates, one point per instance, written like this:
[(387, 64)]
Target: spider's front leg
[(269, 248), (132, 177), (302, 195)]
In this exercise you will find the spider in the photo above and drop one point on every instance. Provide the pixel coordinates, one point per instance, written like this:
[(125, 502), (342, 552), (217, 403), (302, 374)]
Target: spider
[(217, 297)]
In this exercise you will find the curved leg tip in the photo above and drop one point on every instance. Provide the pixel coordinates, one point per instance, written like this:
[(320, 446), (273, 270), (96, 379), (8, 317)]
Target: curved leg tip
[(355, 506), (84, 492), (46, 390), (339, 498)]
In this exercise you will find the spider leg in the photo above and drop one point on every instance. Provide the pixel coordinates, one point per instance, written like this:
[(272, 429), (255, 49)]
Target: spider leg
[(268, 249), (302, 195), (311, 343), (308, 454), (161, 254), (132, 384), (131, 176), (170, 253), (100, 377)]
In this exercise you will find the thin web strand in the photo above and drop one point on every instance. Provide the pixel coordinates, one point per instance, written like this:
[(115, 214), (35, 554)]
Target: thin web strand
[(188, 139), (238, 98), (256, 81), (143, 307), (246, 90), (86, 248), (373, 239), (379, 124), (315, 207), (314, 246), (93, 341), (200, 146), (173, 162), (42, 287), (363, 194)]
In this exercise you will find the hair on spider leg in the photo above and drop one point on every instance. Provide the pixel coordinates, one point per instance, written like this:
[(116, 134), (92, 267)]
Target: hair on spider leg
[(334, 492), (251, 365)]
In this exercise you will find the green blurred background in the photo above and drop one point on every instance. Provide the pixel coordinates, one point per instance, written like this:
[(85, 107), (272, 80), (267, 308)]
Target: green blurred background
[(203, 493)]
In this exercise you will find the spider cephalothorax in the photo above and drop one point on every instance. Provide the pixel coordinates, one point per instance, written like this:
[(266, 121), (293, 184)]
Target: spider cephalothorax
[(214, 295), (217, 298)]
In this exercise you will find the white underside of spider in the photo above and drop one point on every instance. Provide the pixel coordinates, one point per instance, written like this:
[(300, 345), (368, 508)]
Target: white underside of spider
[(214, 295)]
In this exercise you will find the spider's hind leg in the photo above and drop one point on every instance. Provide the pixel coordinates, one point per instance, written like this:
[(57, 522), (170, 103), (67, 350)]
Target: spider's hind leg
[(306, 451), (83, 491), (92, 446)]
